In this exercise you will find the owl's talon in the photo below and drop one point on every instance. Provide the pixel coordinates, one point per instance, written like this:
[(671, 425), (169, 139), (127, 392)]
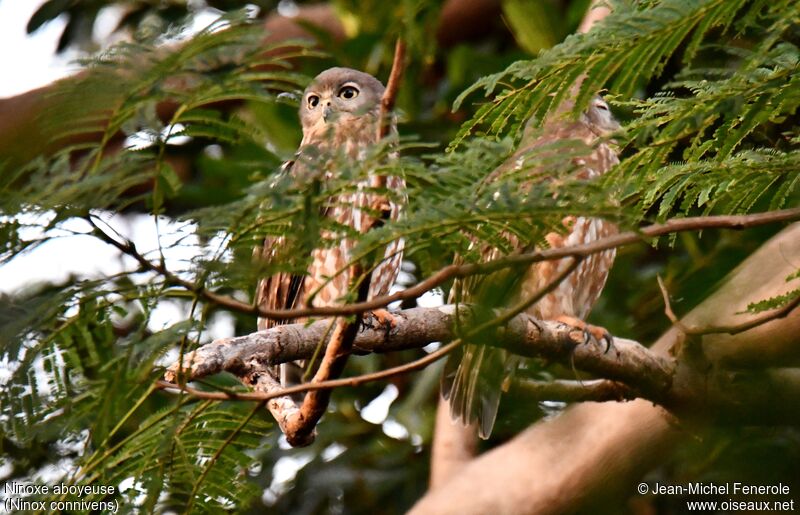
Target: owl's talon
[(599, 334), (607, 339), (384, 319)]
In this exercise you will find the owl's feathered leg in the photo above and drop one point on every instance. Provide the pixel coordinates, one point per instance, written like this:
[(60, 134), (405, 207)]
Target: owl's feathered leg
[(600, 334)]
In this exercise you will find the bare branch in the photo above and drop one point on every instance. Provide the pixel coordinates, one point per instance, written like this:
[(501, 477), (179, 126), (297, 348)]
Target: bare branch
[(668, 307), (731, 329), (694, 389), (300, 425), (283, 408), (571, 463), (453, 446), (308, 387), (628, 362), (392, 87), (597, 390)]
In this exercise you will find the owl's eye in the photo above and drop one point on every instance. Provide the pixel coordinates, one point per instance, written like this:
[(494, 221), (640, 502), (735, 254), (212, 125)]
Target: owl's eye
[(348, 92), (602, 106), (313, 101)]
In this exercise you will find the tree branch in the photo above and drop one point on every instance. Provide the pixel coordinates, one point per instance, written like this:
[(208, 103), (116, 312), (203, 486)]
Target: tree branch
[(688, 387), (453, 445), (594, 454), (629, 362), (301, 423), (598, 10), (392, 87), (731, 329), (676, 225), (596, 390)]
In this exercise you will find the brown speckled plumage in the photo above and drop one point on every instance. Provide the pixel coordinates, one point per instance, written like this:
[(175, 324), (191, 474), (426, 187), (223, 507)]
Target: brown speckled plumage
[(472, 379), (333, 123)]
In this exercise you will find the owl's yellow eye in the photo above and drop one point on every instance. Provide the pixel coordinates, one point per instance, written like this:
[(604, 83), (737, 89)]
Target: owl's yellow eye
[(313, 101), (348, 92)]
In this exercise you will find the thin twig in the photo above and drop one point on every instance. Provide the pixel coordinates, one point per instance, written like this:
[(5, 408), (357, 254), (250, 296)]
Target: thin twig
[(392, 87), (668, 308), (724, 329), (755, 322), (677, 225)]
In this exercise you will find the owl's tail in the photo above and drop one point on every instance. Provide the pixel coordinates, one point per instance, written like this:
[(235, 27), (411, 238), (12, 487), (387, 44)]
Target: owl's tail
[(472, 382)]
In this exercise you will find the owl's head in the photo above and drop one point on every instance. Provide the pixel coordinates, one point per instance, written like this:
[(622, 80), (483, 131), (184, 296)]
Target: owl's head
[(339, 96), (599, 117)]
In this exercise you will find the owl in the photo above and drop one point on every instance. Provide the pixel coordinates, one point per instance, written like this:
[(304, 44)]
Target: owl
[(340, 114), (473, 378)]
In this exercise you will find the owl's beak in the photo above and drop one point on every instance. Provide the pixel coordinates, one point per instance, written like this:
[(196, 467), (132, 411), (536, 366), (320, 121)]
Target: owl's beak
[(327, 113)]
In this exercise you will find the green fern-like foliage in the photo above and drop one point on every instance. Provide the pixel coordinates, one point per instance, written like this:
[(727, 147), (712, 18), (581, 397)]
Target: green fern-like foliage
[(778, 301), (83, 355), (703, 126)]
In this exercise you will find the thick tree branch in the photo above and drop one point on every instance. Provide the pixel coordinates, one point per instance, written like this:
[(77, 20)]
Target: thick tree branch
[(178, 370), (295, 423), (598, 10), (282, 407), (301, 423), (695, 386), (454, 445), (595, 454), (628, 361), (308, 387)]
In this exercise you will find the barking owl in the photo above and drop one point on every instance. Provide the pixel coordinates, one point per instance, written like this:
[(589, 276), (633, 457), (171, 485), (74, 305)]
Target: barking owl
[(472, 381), (340, 114)]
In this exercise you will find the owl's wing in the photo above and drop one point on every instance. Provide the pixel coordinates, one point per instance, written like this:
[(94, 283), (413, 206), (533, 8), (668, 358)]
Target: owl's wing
[(278, 291), (473, 376), (281, 290)]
